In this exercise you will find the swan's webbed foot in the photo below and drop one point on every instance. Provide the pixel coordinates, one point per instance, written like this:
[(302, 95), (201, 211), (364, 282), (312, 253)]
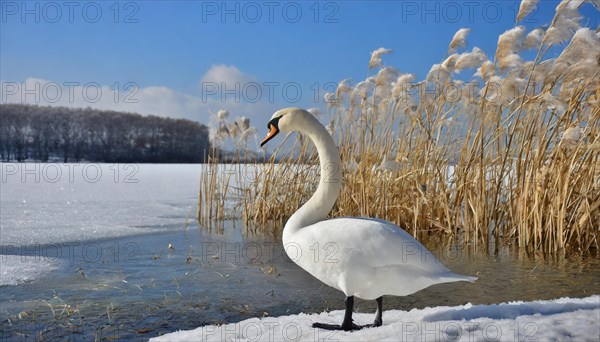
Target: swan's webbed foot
[(378, 322), (374, 325), (345, 327), (347, 324)]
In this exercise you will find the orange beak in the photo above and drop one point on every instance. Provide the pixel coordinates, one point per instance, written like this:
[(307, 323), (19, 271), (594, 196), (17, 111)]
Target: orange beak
[(272, 132)]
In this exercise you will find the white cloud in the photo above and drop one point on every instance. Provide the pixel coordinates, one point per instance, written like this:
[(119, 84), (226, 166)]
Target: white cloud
[(127, 97), (152, 100), (233, 90), (229, 75)]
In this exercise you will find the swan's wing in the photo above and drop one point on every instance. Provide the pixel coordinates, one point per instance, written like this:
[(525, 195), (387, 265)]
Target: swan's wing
[(368, 258), (372, 242)]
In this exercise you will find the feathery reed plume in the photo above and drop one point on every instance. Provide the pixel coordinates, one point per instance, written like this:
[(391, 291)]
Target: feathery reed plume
[(585, 44), (400, 85), (534, 39), (243, 133), (526, 7), (565, 22), (510, 42), (470, 60), (512, 60), (450, 62), (562, 30), (401, 91), (485, 70), (438, 73), (376, 57), (386, 76), (583, 70), (541, 71), (551, 102), (506, 90), (221, 132), (330, 99), (362, 90), (244, 122), (568, 8), (571, 136), (459, 40), (234, 130), (222, 114), (343, 87), (246, 134), (578, 59)]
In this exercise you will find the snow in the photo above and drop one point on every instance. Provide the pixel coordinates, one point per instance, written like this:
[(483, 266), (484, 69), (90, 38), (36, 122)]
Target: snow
[(573, 319)]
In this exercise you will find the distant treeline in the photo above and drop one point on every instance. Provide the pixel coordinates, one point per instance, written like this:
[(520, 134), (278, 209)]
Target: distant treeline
[(74, 134)]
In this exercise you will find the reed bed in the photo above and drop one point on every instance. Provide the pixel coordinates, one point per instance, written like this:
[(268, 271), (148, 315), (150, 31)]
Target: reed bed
[(509, 155)]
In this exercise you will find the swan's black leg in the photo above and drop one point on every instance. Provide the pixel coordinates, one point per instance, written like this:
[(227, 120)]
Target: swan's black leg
[(378, 319), (347, 324)]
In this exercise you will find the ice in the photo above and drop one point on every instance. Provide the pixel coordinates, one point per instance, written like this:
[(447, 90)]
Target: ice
[(571, 319), (54, 204), (57, 203), (17, 269)]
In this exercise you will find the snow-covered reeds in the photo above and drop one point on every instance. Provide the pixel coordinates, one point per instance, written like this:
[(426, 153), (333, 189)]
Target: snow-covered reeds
[(509, 156)]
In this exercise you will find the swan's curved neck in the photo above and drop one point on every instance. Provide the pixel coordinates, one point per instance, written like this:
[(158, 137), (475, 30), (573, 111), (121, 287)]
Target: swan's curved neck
[(320, 204)]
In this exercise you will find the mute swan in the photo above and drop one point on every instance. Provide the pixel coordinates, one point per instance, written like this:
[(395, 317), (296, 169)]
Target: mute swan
[(362, 257)]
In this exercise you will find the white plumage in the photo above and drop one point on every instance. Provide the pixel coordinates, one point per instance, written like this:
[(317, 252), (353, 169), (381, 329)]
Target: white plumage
[(367, 258)]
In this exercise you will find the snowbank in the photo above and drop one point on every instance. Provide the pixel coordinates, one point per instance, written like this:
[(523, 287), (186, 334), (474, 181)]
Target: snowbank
[(573, 319)]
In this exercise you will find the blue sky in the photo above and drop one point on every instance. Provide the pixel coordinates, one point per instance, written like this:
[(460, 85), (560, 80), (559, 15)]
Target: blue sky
[(160, 52)]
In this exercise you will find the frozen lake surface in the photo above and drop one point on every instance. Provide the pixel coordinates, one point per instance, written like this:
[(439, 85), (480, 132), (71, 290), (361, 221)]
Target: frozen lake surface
[(44, 207), (54, 203), (88, 258)]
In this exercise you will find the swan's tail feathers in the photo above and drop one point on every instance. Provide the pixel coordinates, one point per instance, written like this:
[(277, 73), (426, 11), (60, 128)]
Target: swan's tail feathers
[(469, 278), (452, 277)]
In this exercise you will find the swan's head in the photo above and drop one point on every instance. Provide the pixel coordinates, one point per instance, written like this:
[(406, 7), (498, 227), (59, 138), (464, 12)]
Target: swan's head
[(287, 120)]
